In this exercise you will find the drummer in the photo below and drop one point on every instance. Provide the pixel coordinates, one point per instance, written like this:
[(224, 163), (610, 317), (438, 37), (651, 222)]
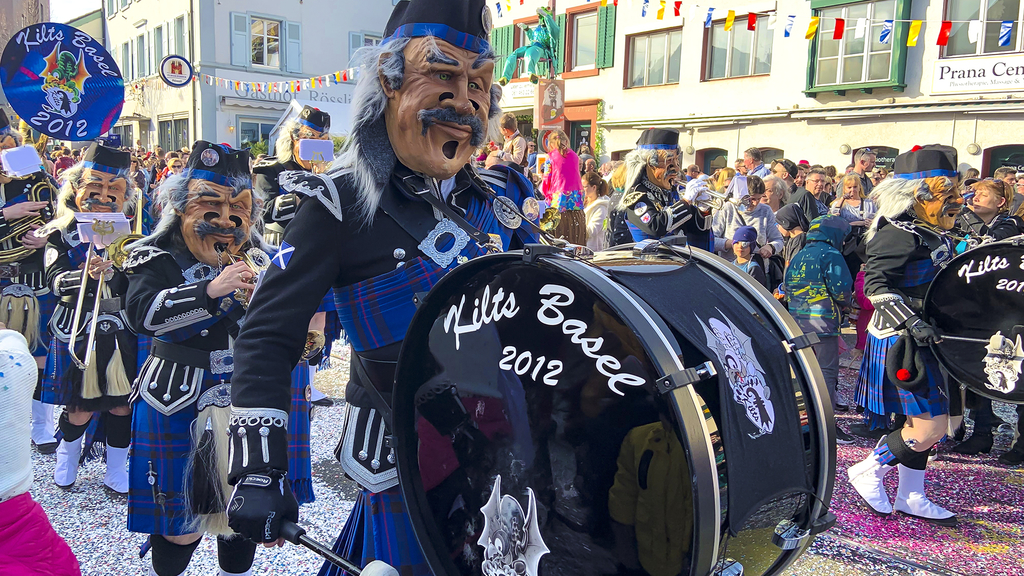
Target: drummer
[(422, 108), (907, 243)]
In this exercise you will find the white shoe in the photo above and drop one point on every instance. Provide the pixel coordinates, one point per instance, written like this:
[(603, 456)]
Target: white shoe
[(378, 568), (221, 572), (43, 425), (116, 477), (68, 455), (866, 478), (911, 500)]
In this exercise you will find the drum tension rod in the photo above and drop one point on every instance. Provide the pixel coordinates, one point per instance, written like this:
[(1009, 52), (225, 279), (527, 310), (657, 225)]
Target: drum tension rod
[(533, 251), (800, 342), (685, 378)]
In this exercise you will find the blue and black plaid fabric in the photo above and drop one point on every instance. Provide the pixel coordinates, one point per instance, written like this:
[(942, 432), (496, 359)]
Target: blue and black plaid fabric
[(57, 361), (300, 470), (918, 272), (881, 397), (379, 529)]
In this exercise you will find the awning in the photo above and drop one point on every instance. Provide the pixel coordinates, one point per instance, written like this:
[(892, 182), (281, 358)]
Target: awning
[(252, 103)]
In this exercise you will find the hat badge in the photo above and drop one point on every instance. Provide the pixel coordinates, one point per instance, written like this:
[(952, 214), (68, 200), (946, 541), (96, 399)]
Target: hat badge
[(485, 19), (209, 157)]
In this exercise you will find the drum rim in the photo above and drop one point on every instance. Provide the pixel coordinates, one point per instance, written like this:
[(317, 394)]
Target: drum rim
[(707, 509), (975, 386), (805, 357)]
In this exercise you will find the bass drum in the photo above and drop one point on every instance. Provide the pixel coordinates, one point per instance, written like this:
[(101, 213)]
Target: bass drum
[(977, 303), (633, 414)]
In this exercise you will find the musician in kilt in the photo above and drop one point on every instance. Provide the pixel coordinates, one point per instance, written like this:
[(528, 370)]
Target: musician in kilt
[(99, 183), (649, 207), (907, 244), (189, 293), (311, 124), (25, 299), (399, 209)]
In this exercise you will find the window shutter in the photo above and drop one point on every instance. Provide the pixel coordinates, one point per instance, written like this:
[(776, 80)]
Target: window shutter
[(241, 47), (293, 52), (150, 53), (606, 37), (560, 44), (501, 41), (355, 42)]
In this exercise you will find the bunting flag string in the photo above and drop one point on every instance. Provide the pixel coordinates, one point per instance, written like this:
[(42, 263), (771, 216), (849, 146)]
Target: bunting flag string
[(751, 21), (837, 33), (944, 31), (282, 86), (915, 31), (661, 11), (729, 19), (812, 28)]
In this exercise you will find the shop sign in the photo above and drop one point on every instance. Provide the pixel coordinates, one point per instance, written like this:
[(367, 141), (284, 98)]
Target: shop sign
[(520, 90), (976, 75)]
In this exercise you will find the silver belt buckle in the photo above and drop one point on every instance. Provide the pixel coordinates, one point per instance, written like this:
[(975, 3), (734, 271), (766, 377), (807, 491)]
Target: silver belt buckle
[(221, 362), (10, 270)]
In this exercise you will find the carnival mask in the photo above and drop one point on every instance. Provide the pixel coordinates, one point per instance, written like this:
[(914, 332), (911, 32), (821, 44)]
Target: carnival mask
[(941, 211), (216, 219), (101, 192), (438, 116)]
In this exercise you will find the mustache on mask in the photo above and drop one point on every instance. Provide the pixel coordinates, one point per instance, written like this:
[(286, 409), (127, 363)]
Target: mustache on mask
[(431, 117), (90, 204), (204, 229)]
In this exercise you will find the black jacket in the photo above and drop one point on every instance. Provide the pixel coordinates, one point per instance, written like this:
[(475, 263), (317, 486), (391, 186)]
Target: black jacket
[(280, 208)]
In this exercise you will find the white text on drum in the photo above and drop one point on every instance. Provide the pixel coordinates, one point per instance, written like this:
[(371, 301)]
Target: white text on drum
[(485, 310), (512, 360), (989, 264), (549, 314)]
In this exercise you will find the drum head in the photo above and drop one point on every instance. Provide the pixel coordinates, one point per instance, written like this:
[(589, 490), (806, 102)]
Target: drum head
[(533, 441), (977, 302)]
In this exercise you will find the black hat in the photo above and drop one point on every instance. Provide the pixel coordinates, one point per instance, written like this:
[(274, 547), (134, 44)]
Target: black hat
[(217, 163), (109, 160), (926, 162), (658, 139), (315, 118), (790, 166), (462, 23), (903, 364), (4, 122)]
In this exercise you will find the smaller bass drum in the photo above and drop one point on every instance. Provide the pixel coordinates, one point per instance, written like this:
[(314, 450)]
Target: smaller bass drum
[(977, 303), (637, 413)]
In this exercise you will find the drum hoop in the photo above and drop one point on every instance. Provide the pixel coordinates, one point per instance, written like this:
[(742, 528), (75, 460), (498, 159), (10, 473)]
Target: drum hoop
[(784, 323), (948, 365)]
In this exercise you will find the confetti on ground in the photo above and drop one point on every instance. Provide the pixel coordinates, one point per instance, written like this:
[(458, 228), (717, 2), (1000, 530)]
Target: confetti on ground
[(989, 498)]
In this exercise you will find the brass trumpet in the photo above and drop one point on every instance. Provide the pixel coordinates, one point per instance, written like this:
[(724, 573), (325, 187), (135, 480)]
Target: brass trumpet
[(711, 200), (242, 295), (117, 250)]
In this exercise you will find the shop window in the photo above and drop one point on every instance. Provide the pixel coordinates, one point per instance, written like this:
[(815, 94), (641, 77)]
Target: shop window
[(864, 63), (738, 52), (991, 13), (1011, 155), (769, 155), (654, 59), (252, 131), (711, 159), (173, 134), (885, 156)]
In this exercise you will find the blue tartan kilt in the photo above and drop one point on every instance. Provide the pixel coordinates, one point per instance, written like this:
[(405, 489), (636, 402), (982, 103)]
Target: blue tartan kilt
[(379, 529), (332, 325), (300, 469), (58, 359), (880, 396), (145, 346)]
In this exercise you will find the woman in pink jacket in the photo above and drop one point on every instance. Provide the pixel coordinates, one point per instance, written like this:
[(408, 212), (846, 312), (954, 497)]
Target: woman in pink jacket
[(567, 189)]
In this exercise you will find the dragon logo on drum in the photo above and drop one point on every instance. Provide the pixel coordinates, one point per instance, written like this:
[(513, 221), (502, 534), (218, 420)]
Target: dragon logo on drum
[(746, 377), (512, 542), (64, 81), (1003, 363)]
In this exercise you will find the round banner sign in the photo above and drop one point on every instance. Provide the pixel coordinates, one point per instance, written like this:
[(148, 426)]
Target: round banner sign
[(62, 81), (176, 71)]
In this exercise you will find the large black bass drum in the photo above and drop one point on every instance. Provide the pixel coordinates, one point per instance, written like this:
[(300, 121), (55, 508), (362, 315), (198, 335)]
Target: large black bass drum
[(649, 411), (977, 303)]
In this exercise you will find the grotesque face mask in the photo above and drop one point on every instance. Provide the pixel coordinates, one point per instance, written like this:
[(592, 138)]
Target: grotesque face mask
[(941, 211), (439, 116), (101, 192), (216, 219), (665, 174)]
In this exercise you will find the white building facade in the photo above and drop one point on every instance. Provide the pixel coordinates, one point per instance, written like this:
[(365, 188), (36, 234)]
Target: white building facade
[(242, 40), (818, 100)]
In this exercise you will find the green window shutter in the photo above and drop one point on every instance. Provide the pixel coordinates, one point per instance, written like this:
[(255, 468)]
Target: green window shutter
[(501, 42), (606, 37), (560, 44)]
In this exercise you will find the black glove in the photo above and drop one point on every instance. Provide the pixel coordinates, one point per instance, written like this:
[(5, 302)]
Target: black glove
[(923, 332), (259, 503)]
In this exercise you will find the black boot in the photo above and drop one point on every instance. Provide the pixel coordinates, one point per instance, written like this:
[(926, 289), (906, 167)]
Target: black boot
[(978, 443), (1014, 456)]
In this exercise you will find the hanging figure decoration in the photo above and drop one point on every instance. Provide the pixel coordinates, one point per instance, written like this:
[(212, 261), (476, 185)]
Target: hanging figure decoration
[(538, 49)]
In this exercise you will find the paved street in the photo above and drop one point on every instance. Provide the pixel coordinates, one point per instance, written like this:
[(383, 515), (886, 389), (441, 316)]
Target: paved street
[(990, 498)]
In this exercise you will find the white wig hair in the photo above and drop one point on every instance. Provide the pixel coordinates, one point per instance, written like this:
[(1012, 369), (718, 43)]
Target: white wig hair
[(367, 158), (66, 207), (286, 138), (637, 162), (19, 138), (895, 197), (173, 196)]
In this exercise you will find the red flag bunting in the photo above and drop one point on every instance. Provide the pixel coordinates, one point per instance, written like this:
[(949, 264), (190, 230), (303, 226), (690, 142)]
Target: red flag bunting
[(678, 5), (751, 21), (840, 27), (944, 31)]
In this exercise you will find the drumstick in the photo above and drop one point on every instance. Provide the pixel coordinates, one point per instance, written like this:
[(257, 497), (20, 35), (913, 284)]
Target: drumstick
[(296, 534)]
